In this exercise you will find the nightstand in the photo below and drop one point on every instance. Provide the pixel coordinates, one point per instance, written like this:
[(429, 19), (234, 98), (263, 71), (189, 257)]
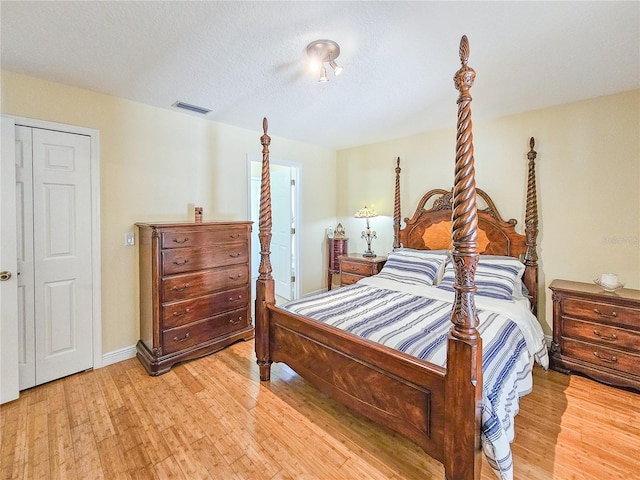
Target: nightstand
[(596, 333), (356, 266)]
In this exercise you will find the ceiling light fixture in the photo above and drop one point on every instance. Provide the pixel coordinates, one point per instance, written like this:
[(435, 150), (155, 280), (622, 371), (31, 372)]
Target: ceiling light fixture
[(321, 52)]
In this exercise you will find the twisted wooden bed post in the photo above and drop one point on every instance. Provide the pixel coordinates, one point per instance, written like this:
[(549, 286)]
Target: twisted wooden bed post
[(396, 209), (463, 382), (265, 284), (531, 231)]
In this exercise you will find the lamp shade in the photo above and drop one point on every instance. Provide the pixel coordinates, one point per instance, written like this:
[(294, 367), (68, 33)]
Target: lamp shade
[(366, 212)]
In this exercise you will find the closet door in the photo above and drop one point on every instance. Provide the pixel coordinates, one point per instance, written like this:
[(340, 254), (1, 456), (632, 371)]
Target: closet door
[(53, 193), (62, 253)]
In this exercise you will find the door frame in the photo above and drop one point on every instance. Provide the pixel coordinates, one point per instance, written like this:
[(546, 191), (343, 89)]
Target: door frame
[(96, 266), (297, 206)]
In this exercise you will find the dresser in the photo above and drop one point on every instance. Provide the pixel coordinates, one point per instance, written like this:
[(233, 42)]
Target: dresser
[(337, 247), (596, 333), (194, 290), (356, 266)]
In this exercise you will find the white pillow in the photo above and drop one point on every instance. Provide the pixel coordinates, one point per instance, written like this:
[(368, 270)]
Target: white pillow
[(414, 267)]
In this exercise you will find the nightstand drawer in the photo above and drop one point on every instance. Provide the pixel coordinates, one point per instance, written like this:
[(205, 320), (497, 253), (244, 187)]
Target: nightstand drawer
[(602, 356), (601, 312), (355, 268), (348, 279), (601, 334)]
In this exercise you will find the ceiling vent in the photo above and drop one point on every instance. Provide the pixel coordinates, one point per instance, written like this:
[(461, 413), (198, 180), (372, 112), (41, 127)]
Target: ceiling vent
[(191, 108)]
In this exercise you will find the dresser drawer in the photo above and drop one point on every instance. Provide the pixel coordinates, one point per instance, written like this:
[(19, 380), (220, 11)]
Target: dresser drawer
[(601, 312), (601, 334), (200, 238), (203, 331), (188, 260), (189, 285), (602, 356), (348, 279), (187, 311), (355, 268)]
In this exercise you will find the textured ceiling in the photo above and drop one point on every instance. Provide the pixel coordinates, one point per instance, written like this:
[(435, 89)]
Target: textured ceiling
[(246, 60)]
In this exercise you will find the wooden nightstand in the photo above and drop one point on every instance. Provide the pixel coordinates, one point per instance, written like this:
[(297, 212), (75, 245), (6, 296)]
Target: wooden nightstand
[(355, 266), (596, 333), (337, 247)]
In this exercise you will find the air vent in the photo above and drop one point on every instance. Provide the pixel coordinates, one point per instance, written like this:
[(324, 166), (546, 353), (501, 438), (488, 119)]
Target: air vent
[(191, 108)]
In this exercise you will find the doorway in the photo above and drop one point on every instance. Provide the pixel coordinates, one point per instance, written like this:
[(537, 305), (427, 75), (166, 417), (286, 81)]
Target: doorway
[(285, 199), (56, 193)]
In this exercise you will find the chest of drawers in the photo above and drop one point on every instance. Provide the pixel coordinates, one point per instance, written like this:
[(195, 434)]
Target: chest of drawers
[(194, 290), (355, 266), (596, 333)]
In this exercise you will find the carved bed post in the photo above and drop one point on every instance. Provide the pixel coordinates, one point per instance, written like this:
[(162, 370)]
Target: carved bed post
[(396, 209), (264, 285), (531, 231), (463, 381)]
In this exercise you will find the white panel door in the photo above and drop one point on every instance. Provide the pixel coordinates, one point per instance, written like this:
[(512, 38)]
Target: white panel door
[(24, 234), (8, 267), (281, 241), (62, 253)]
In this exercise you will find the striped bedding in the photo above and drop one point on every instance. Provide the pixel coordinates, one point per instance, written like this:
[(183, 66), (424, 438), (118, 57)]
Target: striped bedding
[(415, 319)]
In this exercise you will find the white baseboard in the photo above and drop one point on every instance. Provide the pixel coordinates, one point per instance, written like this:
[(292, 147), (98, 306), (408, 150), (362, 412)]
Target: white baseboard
[(118, 355)]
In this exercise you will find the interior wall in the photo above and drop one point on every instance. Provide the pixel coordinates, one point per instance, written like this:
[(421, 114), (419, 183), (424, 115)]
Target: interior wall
[(155, 165), (588, 184)]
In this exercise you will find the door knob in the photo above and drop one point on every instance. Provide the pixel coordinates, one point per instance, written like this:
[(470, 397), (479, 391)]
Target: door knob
[(4, 276)]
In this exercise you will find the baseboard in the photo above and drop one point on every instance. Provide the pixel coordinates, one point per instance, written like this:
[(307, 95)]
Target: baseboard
[(118, 355)]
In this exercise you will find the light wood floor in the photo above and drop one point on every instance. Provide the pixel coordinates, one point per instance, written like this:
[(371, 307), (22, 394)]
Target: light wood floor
[(212, 419)]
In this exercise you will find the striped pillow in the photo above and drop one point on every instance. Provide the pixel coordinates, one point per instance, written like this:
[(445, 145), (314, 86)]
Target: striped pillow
[(498, 277), (413, 267)]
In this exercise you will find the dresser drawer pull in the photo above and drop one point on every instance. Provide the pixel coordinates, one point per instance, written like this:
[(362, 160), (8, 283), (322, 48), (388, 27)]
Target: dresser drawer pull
[(613, 358), (598, 312), (234, 255), (609, 338), (235, 277), (234, 235), (179, 314), (179, 289), (235, 322), (231, 299), (184, 240), (178, 340), (184, 262)]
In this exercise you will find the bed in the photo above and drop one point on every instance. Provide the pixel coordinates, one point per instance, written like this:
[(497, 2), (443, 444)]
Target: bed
[(428, 388)]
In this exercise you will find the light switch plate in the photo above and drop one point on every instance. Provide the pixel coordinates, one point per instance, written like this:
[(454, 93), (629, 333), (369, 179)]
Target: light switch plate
[(129, 239)]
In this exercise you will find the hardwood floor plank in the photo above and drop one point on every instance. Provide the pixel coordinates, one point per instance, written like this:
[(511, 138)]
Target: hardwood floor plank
[(212, 418)]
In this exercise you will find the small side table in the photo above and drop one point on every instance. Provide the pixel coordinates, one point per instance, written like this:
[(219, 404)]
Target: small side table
[(337, 247), (356, 266)]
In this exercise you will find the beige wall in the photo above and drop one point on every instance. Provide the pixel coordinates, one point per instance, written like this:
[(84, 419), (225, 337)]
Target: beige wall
[(155, 164), (588, 179)]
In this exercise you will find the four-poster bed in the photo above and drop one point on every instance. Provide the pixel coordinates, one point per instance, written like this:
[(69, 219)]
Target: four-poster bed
[(438, 407)]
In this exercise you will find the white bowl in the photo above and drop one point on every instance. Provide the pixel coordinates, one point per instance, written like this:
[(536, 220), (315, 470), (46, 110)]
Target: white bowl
[(608, 288)]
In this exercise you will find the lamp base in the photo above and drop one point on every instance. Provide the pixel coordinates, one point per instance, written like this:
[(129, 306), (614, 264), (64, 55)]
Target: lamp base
[(368, 253)]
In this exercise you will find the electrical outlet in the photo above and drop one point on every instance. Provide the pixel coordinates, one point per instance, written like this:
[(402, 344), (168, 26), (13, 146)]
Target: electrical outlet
[(129, 239)]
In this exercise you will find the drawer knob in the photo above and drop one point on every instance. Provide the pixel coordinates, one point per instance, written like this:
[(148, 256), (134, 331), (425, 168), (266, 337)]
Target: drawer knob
[(231, 299), (614, 314), (179, 314), (613, 358), (184, 262), (184, 240), (177, 339), (609, 338), (235, 322), (235, 277), (234, 255), (234, 235), (179, 289)]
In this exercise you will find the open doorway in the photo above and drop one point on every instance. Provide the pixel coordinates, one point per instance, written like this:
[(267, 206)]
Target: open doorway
[(285, 204)]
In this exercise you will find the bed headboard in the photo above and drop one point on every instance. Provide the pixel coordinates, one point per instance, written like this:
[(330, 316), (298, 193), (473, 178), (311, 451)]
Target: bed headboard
[(430, 226)]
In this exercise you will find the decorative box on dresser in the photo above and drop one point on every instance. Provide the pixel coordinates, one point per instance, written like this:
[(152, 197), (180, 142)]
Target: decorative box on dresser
[(337, 247), (356, 266), (596, 333), (194, 290)]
